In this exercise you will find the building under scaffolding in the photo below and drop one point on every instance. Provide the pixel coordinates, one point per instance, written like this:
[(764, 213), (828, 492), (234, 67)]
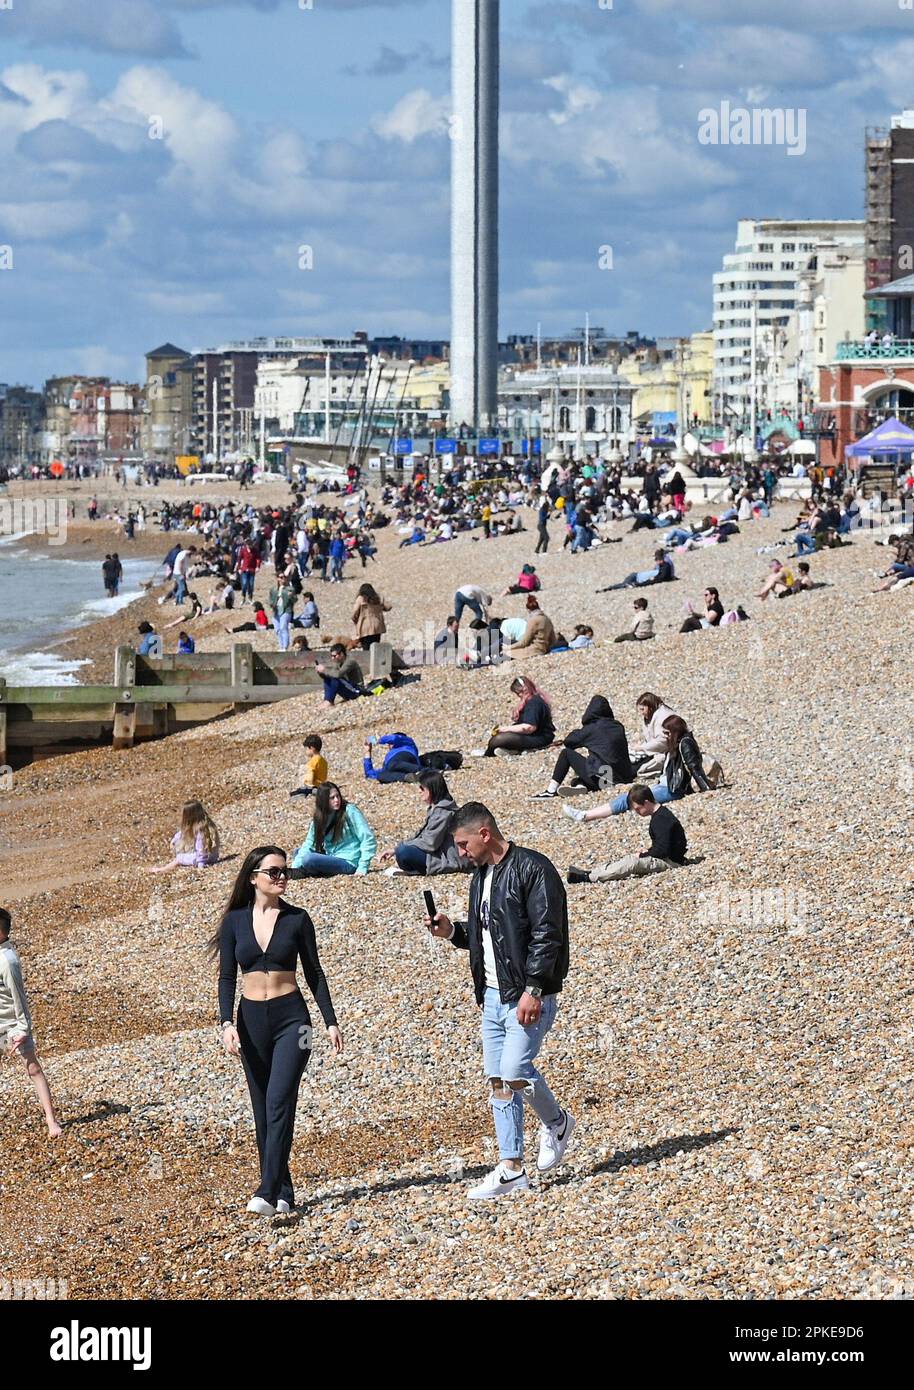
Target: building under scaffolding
[(889, 208)]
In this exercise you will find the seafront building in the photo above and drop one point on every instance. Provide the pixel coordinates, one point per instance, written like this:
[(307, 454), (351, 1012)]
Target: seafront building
[(756, 293)]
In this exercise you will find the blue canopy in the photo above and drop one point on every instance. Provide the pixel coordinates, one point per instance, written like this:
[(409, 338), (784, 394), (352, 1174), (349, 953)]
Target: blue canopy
[(891, 437)]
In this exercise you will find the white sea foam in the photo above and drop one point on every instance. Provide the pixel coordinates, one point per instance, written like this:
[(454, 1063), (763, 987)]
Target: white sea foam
[(38, 668)]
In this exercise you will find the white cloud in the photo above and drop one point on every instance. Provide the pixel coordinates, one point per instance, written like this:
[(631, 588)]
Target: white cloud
[(835, 15), (578, 98), (46, 221), (181, 302), (417, 113)]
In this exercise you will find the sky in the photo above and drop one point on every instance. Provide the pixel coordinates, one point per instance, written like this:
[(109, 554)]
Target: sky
[(164, 162)]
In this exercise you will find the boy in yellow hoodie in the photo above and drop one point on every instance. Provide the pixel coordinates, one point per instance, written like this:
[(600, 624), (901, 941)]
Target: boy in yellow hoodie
[(315, 770)]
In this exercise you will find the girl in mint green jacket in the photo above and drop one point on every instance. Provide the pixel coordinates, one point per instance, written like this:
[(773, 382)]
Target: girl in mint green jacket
[(340, 840)]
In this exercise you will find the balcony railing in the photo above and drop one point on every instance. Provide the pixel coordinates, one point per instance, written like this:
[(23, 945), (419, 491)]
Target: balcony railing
[(862, 351)]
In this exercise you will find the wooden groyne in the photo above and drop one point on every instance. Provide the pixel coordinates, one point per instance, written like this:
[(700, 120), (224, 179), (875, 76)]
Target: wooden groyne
[(155, 696)]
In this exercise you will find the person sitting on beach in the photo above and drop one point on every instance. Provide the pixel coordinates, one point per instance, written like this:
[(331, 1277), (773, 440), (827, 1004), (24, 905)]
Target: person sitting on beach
[(709, 617), (309, 616), (315, 771), (485, 644), (339, 840), (444, 651), (186, 644), (583, 637), (151, 642), (661, 573), (432, 849), (802, 579), (648, 754), (16, 1037), (416, 536), (528, 582), (260, 622), (196, 843), (342, 676), (222, 598), (902, 567), (196, 611), (667, 851), (607, 758), (540, 636), (682, 766), (641, 627), (532, 727), (779, 581), (400, 761)]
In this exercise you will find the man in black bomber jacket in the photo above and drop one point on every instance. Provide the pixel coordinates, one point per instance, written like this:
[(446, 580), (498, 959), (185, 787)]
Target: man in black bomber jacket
[(516, 933)]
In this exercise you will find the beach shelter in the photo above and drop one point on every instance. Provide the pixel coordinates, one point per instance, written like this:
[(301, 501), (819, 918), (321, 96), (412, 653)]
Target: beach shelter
[(891, 440)]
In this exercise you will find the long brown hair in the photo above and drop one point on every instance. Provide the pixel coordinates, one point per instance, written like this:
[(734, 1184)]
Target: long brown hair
[(196, 821), (243, 892), (328, 824), (652, 701), (677, 729)]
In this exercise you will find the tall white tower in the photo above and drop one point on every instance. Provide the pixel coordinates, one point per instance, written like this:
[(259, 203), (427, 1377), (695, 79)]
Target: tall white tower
[(474, 214)]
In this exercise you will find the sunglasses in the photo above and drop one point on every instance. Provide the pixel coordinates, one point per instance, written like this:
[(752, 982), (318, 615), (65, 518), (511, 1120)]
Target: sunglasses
[(274, 875)]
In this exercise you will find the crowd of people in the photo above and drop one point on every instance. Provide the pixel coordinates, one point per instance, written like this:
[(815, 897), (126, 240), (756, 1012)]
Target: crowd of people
[(516, 929)]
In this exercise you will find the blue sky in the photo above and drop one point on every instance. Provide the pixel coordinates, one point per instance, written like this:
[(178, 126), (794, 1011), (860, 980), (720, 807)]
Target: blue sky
[(284, 126)]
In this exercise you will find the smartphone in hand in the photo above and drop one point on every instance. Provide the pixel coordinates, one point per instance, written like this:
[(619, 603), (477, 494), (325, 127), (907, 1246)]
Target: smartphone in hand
[(430, 907)]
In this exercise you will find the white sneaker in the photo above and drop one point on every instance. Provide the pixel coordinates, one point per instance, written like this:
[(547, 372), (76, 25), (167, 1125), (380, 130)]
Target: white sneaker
[(393, 871), (261, 1207), (283, 1208), (554, 1141), (506, 752), (499, 1183), (573, 813), (477, 752)]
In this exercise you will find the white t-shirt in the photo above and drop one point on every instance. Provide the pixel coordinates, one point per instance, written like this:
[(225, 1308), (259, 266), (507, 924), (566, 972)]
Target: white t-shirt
[(488, 952), (473, 591)]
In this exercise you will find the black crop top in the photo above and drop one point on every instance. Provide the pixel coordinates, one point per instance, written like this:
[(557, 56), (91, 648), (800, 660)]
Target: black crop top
[(293, 939)]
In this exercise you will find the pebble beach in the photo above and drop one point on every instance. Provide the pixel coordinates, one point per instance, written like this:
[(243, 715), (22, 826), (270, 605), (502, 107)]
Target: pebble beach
[(735, 1038)]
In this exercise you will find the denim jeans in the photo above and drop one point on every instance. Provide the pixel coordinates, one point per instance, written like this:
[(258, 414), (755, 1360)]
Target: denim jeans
[(411, 859), (323, 865), (282, 623), (180, 589), (806, 542), (247, 583), (678, 536), (461, 602), (661, 794), (508, 1050), (335, 688), (582, 539)]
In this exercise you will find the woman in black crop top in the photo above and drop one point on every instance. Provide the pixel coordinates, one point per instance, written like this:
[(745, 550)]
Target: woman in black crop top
[(266, 937)]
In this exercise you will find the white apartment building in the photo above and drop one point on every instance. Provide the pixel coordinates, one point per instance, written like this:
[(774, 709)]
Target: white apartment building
[(830, 309), (764, 270)]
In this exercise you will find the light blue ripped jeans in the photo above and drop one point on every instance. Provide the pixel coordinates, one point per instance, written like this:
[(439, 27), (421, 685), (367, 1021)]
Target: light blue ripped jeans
[(508, 1050)]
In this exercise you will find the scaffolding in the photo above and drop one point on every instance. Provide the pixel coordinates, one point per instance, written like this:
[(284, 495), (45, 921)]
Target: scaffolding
[(878, 249)]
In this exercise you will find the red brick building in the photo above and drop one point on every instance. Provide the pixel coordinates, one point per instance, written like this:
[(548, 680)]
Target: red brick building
[(870, 379)]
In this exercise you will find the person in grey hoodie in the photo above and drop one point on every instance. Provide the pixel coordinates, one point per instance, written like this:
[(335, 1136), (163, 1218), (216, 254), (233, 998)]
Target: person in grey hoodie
[(432, 851)]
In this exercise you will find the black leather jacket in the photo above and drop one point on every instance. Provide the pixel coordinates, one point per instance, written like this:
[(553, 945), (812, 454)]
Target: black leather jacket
[(684, 766), (528, 922)]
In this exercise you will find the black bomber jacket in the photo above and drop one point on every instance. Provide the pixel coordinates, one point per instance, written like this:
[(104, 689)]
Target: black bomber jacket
[(528, 922)]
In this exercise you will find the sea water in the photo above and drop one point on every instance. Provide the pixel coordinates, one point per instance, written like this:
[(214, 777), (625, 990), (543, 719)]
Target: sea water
[(44, 596)]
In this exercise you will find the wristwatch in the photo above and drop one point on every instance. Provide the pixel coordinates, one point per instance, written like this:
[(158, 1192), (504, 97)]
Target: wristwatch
[(534, 991)]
